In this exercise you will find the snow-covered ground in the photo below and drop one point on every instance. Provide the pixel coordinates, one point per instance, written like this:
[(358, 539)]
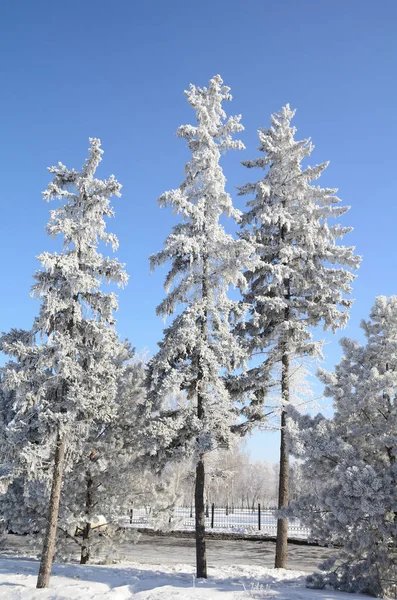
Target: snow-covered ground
[(148, 582), (154, 550)]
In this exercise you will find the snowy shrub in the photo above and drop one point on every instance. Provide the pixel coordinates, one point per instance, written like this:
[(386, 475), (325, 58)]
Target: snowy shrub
[(350, 461)]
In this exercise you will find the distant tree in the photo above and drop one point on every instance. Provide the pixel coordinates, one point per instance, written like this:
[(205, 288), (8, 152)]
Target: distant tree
[(301, 281), (232, 479), (198, 347), (224, 467), (70, 368), (350, 461)]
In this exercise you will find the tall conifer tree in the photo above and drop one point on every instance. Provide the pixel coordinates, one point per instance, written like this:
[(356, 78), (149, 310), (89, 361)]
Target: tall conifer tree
[(198, 347), (302, 280), (71, 369)]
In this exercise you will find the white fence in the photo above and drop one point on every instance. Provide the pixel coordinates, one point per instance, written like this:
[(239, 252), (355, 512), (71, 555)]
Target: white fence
[(234, 520)]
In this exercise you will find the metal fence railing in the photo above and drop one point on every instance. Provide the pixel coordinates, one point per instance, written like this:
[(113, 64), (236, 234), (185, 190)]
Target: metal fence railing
[(257, 519)]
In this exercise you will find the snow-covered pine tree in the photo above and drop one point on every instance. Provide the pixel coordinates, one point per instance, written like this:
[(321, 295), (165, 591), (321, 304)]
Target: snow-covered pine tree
[(110, 473), (8, 398), (99, 482), (351, 461), (102, 480), (12, 462), (70, 369), (198, 347), (302, 280)]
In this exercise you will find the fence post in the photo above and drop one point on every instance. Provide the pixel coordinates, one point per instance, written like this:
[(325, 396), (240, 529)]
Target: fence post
[(212, 515), (207, 510), (227, 509), (131, 515), (259, 517)]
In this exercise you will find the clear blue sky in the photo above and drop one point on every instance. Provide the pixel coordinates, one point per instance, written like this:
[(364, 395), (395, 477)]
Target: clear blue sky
[(117, 70)]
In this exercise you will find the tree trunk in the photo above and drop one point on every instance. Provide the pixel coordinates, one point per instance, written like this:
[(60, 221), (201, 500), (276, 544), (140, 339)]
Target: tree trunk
[(283, 489), (85, 548), (201, 559), (52, 518)]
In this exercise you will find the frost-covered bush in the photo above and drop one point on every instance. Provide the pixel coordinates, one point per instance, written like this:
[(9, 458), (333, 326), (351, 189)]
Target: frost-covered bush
[(107, 475), (109, 472), (350, 461)]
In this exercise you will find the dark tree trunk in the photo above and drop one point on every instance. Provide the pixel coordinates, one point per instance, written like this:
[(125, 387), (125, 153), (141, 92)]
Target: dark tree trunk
[(85, 548), (283, 489), (52, 518), (201, 558)]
